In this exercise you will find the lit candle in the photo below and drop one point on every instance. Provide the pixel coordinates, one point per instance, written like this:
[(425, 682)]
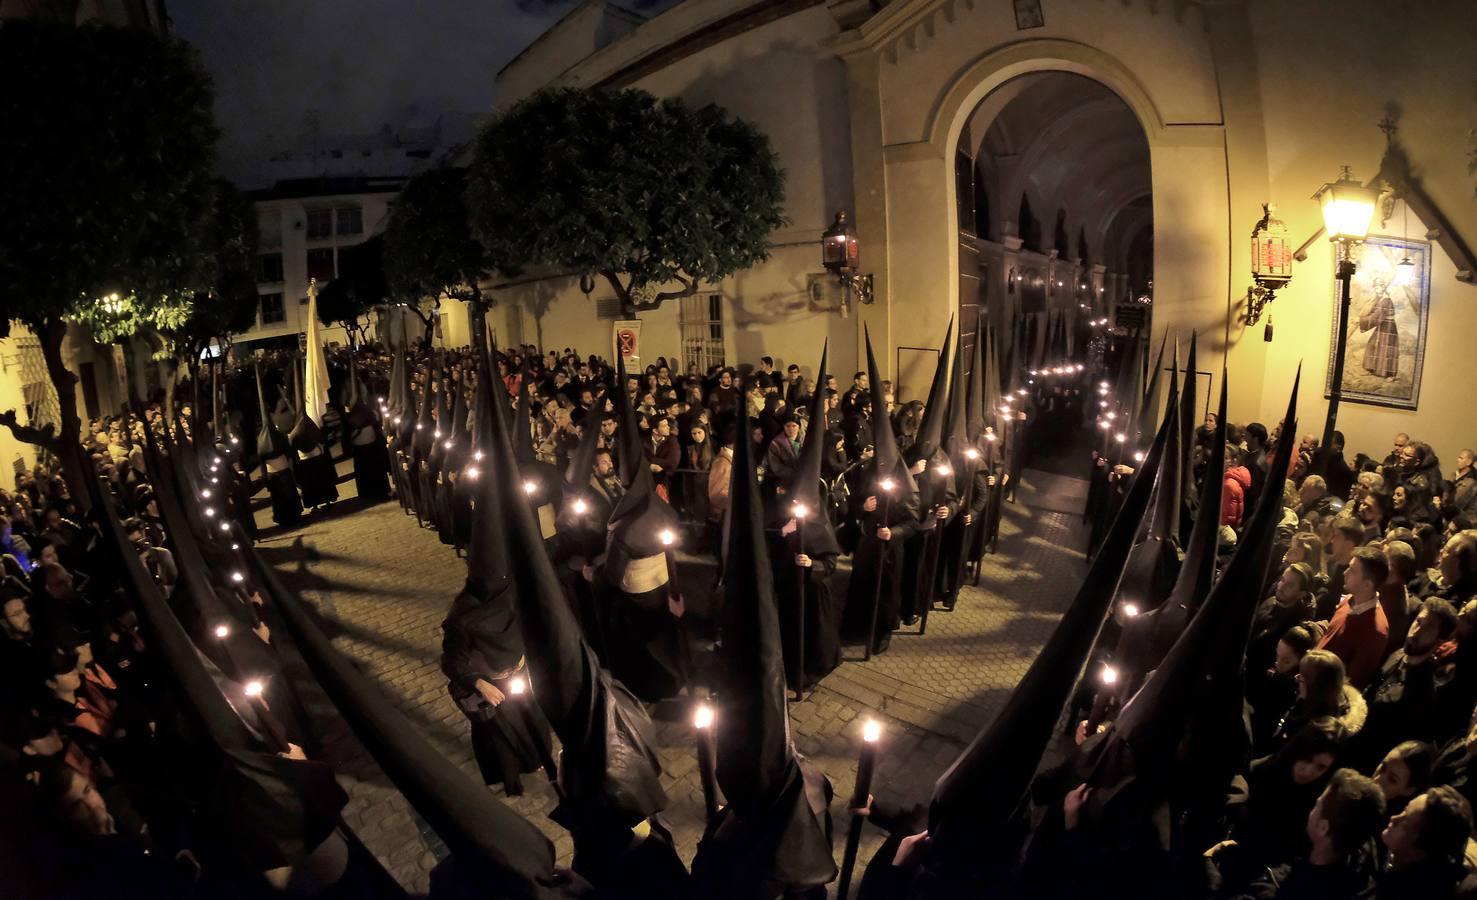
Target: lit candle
[(237, 577), (225, 526), (866, 764), (270, 727), (472, 472), (1130, 609), (1109, 674), (707, 762), (222, 631), (530, 488), (580, 506), (209, 512), (205, 493)]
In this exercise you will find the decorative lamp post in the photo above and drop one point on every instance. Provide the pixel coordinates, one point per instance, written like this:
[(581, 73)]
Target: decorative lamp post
[(841, 254), (1348, 208), (1271, 265)]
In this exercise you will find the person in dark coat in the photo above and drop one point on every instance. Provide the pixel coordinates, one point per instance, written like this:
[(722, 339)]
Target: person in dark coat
[(275, 454), (482, 658), (888, 506)]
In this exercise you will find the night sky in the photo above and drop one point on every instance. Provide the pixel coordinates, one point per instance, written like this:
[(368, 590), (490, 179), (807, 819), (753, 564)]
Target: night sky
[(356, 65)]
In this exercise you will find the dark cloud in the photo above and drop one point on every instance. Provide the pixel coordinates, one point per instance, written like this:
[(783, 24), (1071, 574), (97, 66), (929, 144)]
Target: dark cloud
[(351, 66)]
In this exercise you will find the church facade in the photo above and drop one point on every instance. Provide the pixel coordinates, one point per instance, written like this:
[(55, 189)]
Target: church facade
[(1144, 136)]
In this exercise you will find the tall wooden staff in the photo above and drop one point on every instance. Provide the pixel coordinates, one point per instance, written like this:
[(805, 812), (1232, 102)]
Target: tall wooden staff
[(871, 731), (800, 512), (887, 485)]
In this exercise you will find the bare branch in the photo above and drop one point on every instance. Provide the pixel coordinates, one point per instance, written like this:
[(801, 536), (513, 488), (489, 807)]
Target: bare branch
[(45, 436)]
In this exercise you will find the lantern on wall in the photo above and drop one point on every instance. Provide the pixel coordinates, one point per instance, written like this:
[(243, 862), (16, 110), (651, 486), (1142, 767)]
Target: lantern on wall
[(840, 254), (1348, 208), (1271, 262)]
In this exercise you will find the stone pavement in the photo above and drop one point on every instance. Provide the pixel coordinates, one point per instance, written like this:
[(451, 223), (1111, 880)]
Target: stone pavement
[(382, 586)]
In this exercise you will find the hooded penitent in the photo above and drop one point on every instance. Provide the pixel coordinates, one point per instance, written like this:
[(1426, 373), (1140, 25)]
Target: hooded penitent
[(1191, 706), (1149, 407), (272, 445), (774, 836), (630, 456), (1148, 635), (547, 495), (806, 487), (887, 462), (608, 769), (975, 815), (1188, 494), (931, 429)]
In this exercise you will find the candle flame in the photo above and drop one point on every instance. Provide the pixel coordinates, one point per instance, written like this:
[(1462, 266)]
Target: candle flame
[(1130, 609), (702, 717), (871, 731), (448, 443), (1138, 456), (943, 470), (973, 453), (1120, 437), (472, 472), (477, 456), (253, 688), (205, 493), (1109, 675), (225, 526), (530, 488), (580, 506), (667, 537), (222, 631), (209, 511), (237, 577), (517, 686), (887, 484), (990, 436), (800, 511)]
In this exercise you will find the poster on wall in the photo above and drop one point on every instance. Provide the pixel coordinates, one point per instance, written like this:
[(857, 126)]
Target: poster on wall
[(628, 343), (1386, 345)]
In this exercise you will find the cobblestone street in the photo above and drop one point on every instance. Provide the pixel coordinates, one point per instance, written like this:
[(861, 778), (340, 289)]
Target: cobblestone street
[(382, 586)]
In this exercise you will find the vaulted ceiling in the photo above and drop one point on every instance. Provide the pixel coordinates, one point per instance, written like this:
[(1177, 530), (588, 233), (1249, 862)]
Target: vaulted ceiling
[(1067, 143)]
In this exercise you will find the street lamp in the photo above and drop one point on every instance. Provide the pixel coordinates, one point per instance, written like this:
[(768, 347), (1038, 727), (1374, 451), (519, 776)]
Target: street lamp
[(1348, 207), (840, 254)]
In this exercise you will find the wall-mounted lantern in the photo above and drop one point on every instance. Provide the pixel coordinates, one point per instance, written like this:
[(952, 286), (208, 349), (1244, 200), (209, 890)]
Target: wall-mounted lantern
[(1271, 263), (841, 254)]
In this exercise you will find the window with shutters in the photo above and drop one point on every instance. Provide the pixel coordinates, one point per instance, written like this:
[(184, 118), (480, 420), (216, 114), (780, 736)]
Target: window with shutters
[(273, 310), (701, 323), (320, 224)]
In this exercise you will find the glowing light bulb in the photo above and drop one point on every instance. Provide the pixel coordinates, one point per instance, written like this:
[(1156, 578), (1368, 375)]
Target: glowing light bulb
[(871, 731), (222, 631), (517, 686), (702, 717), (1109, 675), (667, 537), (253, 688)]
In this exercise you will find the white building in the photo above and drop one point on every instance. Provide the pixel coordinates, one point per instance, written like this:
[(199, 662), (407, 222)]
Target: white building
[(303, 227)]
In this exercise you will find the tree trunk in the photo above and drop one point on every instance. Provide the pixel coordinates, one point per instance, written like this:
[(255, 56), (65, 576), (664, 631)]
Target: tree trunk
[(479, 325), (69, 445)]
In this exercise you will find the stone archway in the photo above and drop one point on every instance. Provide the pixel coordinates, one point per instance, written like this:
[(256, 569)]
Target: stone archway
[(1189, 175)]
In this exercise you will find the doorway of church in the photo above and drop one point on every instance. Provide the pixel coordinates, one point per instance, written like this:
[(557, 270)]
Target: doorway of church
[(1056, 253)]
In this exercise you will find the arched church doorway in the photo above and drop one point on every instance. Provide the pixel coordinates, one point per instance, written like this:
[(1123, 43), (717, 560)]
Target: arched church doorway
[(1054, 202)]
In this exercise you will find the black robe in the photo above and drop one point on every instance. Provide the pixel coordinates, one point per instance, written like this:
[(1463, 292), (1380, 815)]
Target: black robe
[(316, 476), (482, 641), (287, 507), (371, 464), (877, 559), (822, 609)]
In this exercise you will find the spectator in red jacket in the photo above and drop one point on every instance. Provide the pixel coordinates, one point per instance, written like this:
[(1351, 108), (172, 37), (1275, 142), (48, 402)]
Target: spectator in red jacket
[(1234, 488), (1359, 630)]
